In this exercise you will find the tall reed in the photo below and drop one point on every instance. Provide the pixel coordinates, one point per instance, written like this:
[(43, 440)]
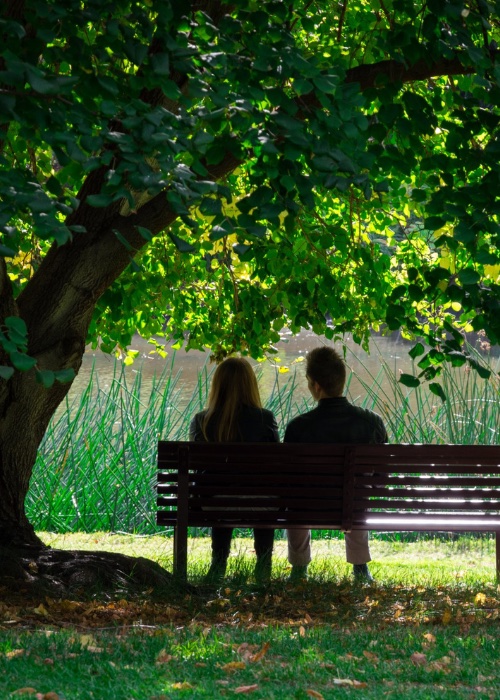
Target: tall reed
[(96, 466)]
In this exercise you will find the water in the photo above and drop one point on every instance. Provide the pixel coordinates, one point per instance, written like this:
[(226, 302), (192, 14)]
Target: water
[(391, 350)]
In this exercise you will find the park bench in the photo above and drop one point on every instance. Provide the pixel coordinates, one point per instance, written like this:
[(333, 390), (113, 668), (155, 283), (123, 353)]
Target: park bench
[(451, 488)]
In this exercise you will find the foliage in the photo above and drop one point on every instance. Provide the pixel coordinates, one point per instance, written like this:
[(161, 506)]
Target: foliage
[(254, 165)]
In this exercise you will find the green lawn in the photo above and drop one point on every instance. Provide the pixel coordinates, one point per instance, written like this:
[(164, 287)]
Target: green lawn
[(428, 628)]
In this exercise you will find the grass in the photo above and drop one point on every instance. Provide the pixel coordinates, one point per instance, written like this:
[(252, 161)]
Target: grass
[(464, 560), (428, 628)]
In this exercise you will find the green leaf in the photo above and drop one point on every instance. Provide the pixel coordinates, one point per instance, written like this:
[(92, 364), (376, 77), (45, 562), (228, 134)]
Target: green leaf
[(7, 252), (64, 375), (17, 324), (181, 245), (160, 63), (326, 83), (483, 371), (99, 200), (145, 233), (437, 389), (416, 351), (240, 249), (409, 380), (469, 276), (45, 377), (6, 372), (21, 361)]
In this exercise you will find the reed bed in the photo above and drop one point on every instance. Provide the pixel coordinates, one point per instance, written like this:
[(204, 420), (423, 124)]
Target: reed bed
[(96, 466)]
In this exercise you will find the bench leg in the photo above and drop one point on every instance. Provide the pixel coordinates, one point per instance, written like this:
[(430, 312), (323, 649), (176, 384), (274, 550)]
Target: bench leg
[(497, 537), (180, 552)]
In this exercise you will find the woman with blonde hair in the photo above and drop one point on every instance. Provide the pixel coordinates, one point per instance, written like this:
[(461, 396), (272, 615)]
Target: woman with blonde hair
[(235, 414)]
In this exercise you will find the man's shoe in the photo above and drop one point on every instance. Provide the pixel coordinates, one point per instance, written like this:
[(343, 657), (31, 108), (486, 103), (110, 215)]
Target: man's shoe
[(362, 573), (298, 574), (216, 573), (263, 569)]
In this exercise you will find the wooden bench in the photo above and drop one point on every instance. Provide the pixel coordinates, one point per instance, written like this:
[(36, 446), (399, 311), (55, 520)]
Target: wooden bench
[(452, 488)]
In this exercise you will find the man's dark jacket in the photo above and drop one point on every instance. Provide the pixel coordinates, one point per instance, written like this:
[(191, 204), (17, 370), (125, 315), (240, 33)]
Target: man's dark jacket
[(336, 421)]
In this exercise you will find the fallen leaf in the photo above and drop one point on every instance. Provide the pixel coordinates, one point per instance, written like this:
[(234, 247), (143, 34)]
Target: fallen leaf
[(349, 682), (314, 694), (371, 656), (14, 653), (308, 618), (24, 691), (51, 696), (182, 686), (41, 610), (246, 688), (480, 599), (418, 658), (234, 666), (430, 637), (349, 657), (163, 657), (302, 631), (446, 619), (260, 654)]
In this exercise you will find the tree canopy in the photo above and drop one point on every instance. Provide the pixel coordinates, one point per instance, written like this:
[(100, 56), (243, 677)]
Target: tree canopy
[(214, 171)]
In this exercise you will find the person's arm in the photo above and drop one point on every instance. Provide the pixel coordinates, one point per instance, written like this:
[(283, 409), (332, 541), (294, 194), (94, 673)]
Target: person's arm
[(381, 433), (195, 431), (275, 434), (291, 432)]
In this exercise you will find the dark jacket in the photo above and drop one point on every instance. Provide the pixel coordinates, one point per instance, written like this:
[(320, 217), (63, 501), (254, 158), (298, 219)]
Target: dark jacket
[(254, 425), (336, 421)]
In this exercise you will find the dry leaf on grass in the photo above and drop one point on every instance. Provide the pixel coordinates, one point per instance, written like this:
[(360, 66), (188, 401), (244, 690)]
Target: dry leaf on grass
[(418, 658), (349, 682), (41, 610), (246, 688), (259, 654), (14, 653), (163, 657), (430, 638), (371, 657), (446, 619), (314, 694), (234, 666), (184, 685)]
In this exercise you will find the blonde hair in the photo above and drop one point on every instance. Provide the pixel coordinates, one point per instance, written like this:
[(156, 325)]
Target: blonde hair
[(234, 385)]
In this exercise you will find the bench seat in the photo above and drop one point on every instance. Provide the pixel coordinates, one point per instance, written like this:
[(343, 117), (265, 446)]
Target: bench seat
[(452, 488)]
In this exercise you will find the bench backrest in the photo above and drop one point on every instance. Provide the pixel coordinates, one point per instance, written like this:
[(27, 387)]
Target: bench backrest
[(376, 487)]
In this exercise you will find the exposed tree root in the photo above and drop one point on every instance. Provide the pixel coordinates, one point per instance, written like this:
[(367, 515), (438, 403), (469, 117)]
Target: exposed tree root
[(55, 572)]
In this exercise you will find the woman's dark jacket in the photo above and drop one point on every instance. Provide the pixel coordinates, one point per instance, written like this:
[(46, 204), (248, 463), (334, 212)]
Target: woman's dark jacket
[(254, 425)]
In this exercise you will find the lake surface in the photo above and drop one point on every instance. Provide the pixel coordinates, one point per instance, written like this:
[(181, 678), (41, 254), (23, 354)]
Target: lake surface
[(391, 351)]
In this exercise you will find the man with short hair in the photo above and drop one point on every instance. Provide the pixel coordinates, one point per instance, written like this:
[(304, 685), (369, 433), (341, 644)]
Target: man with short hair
[(334, 420)]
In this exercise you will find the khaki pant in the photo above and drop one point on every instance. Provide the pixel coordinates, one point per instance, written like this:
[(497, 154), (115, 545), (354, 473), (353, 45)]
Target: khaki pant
[(357, 547)]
